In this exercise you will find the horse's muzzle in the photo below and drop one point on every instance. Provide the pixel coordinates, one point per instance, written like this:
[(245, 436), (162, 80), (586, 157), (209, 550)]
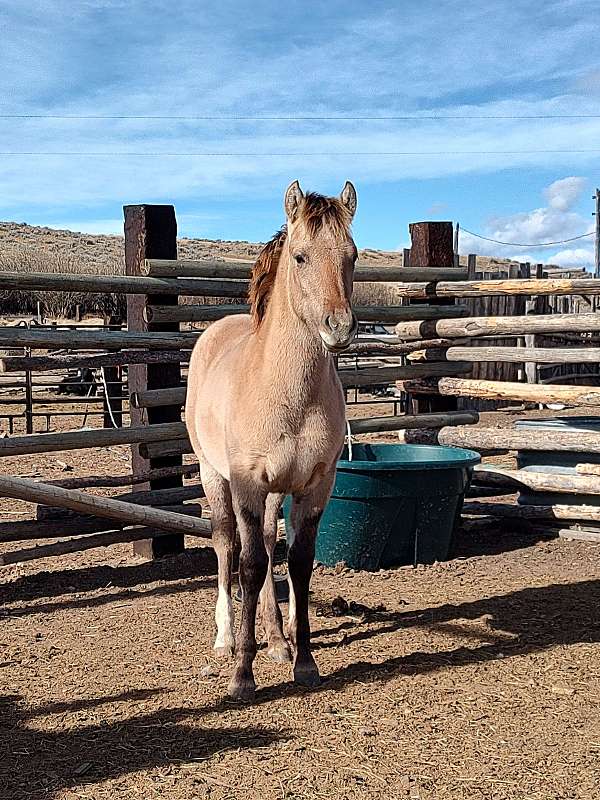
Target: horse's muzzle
[(338, 329)]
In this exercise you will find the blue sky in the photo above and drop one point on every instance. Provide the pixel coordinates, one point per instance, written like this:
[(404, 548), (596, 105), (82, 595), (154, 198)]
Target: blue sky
[(264, 59)]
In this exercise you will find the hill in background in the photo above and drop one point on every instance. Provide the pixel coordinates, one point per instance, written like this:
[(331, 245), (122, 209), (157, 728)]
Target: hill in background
[(29, 248)]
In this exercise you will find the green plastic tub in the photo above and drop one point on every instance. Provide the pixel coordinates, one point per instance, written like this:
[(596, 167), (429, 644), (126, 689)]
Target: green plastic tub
[(393, 505)]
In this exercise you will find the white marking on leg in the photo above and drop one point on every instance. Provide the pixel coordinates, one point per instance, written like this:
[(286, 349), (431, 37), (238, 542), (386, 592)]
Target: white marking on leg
[(224, 619), (291, 607)]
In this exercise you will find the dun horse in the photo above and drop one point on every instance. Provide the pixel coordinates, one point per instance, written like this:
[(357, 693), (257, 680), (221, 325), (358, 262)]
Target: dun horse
[(265, 414)]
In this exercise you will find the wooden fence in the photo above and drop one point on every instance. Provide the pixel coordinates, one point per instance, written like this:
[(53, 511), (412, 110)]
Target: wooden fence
[(431, 356)]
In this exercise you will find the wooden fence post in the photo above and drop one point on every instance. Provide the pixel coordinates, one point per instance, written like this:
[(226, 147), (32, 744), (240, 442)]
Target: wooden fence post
[(432, 245), (151, 232)]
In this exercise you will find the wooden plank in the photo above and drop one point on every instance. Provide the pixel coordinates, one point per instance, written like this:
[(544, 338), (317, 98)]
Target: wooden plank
[(477, 326), (34, 492)]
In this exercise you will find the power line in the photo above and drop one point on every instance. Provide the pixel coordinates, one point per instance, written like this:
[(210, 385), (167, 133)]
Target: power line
[(299, 118), (152, 154), (520, 244)]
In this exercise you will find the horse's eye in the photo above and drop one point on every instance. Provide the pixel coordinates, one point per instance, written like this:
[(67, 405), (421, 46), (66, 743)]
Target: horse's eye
[(299, 259)]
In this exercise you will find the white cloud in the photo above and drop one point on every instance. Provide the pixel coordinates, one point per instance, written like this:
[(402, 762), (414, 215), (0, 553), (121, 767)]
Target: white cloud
[(229, 58), (552, 223), (575, 257), (564, 193)]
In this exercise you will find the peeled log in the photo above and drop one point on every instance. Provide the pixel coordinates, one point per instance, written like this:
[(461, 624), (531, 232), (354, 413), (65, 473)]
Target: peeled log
[(498, 326), (539, 481), (80, 361), (513, 355), (370, 376), (513, 511), (92, 437), (385, 314), (122, 284), (380, 424), (587, 469), (506, 390), (78, 544), (51, 339), (34, 492), (238, 268), (506, 439), (152, 497)]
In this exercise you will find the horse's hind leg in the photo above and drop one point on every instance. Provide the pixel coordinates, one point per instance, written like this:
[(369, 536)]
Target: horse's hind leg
[(218, 494), (278, 648), (249, 505)]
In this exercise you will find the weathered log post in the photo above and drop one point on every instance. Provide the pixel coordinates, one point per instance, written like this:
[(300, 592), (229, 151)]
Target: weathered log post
[(151, 232), (431, 246)]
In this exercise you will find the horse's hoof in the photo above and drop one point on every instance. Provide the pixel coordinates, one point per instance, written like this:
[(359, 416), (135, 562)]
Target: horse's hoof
[(280, 652), (224, 652), (307, 675), (244, 691)]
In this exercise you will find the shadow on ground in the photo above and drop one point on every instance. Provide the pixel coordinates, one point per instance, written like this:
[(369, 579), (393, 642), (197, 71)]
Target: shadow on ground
[(40, 764), (521, 622), (133, 579)]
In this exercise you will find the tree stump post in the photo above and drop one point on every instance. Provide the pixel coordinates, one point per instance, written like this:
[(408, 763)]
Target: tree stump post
[(151, 232), (432, 245)]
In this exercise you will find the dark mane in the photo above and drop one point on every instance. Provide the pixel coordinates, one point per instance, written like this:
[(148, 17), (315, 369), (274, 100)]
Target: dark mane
[(263, 275), (316, 212)]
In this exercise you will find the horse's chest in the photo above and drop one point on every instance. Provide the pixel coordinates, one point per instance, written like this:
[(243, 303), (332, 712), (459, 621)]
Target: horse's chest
[(298, 460)]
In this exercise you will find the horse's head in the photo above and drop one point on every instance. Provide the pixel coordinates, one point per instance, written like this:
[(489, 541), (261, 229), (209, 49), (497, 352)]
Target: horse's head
[(321, 254)]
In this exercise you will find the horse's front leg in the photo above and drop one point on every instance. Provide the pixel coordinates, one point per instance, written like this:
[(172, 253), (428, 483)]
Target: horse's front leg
[(249, 506), (307, 510), (278, 648)]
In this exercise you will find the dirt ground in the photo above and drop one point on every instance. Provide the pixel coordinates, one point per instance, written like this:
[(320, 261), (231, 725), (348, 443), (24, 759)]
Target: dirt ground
[(475, 678)]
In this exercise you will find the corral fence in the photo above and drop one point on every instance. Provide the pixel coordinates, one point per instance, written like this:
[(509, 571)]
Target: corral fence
[(429, 358), (47, 388)]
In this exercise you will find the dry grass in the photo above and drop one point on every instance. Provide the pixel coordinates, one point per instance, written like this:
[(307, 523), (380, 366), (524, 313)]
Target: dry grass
[(27, 248)]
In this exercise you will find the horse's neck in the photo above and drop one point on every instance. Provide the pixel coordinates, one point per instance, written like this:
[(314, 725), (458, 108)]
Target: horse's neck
[(295, 358)]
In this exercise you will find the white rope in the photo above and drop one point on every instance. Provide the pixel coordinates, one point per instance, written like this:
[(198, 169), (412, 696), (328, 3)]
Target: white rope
[(107, 398), (349, 439)]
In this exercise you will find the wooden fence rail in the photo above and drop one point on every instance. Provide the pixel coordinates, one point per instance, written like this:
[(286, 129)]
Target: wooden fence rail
[(498, 326), (183, 268)]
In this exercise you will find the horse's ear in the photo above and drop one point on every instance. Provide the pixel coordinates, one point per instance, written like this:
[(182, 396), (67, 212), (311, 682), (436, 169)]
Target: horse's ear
[(292, 199), (348, 197)]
